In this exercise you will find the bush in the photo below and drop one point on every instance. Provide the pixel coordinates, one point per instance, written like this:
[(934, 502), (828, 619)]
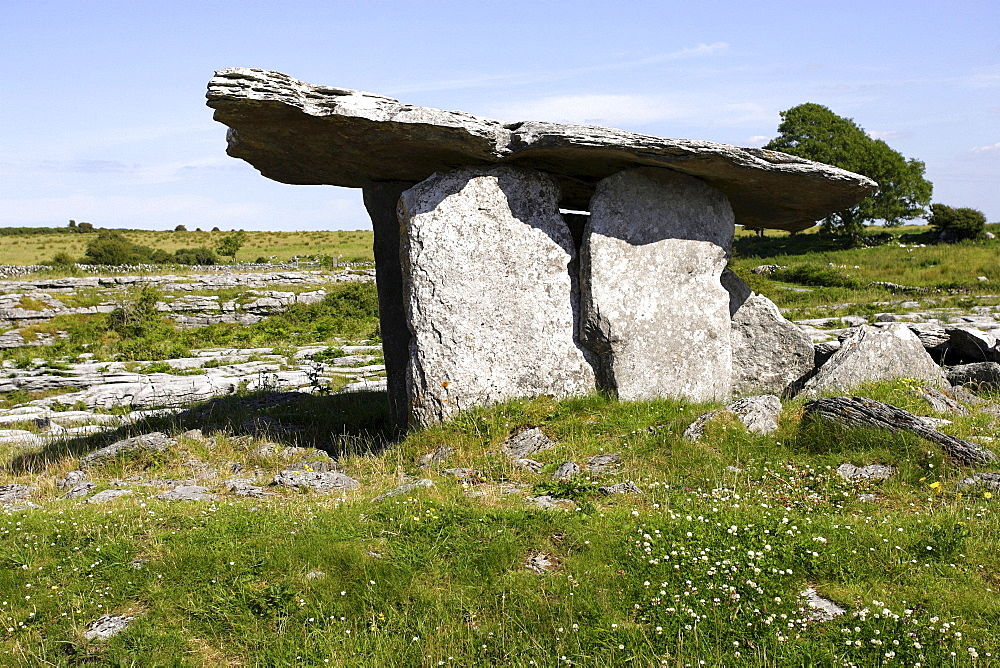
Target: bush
[(957, 224), (112, 248), (180, 228), (62, 259), (199, 255)]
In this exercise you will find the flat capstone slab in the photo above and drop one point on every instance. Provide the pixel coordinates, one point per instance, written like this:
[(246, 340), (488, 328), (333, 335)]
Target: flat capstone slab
[(489, 297), (299, 133), (653, 305)]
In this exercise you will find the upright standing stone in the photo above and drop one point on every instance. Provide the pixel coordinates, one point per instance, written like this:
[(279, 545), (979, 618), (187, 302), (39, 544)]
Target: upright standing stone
[(653, 305), (489, 297), (381, 200)]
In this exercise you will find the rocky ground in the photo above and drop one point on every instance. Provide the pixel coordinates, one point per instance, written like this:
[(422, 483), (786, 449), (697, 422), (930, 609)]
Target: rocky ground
[(86, 396)]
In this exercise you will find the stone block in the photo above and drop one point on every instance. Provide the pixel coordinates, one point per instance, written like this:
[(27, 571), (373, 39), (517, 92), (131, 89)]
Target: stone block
[(489, 296), (654, 308)]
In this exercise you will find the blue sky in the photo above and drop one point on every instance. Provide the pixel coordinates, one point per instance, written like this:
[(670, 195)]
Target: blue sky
[(102, 114)]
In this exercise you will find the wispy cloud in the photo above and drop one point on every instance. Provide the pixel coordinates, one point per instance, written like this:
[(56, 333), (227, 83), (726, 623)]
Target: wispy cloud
[(989, 149), (757, 140), (519, 78), (633, 110)]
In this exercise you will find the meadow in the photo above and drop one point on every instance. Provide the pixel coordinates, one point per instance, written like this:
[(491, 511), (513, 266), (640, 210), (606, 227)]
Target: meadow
[(704, 566), (351, 246)]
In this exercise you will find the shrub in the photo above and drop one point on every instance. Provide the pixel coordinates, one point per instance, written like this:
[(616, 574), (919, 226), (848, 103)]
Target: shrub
[(180, 228), (113, 248), (956, 224), (199, 255), (62, 259)]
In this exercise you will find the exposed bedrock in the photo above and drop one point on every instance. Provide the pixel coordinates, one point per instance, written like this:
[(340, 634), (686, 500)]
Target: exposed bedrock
[(489, 298), (295, 132), (654, 309)]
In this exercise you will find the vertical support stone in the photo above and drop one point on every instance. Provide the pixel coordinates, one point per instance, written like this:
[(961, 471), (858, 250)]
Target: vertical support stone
[(381, 199), (490, 300), (653, 305)]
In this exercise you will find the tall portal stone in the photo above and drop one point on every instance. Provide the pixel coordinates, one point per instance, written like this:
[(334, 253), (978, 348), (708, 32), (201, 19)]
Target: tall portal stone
[(654, 308), (489, 296)]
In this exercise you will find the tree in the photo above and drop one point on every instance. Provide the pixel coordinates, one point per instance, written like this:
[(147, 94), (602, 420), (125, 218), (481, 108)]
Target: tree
[(814, 132), (180, 228), (231, 244), (955, 224)]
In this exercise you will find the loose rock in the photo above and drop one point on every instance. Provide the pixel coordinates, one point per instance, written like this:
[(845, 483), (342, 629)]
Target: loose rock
[(603, 463), (870, 472), (155, 441), (12, 493), (566, 471), (108, 495), (107, 626), (187, 493), (527, 442), (620, 488), (405, 488), (976, 375), (322, 483)]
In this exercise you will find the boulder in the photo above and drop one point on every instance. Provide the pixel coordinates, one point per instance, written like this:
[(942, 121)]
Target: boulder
[(299, 133), (153, 441), (490, 299), (977, 374), (870, 353), (769, 353), (322, 483), (654, 309), (971, 345), (758, 414)]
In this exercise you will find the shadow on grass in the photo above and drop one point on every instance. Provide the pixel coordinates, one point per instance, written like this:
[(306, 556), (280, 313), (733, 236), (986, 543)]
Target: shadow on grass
[(340, 424)]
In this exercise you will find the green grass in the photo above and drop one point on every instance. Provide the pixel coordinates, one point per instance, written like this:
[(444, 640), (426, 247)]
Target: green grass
[(706, 565), (136, 331), (355, 246)]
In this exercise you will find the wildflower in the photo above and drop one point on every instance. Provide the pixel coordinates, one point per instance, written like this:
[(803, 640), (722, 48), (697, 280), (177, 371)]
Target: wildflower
[(987, 495), (935, 485)]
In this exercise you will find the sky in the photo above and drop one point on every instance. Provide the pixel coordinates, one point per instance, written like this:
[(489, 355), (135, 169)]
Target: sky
[(103, 116)]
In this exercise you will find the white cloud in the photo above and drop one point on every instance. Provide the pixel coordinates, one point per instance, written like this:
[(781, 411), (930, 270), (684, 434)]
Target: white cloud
[(757, 140), (988, 149)]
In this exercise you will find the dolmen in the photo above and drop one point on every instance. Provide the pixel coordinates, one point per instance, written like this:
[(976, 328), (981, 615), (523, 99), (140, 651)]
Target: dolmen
[(530, 258)]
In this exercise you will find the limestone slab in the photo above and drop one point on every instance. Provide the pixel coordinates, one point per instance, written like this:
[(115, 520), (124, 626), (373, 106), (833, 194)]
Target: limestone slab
[(488, 292), (295, 132), (654, 308)]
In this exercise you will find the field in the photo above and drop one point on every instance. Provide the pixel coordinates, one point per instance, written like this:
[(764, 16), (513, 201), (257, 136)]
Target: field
[(356, 246), (703, 561)]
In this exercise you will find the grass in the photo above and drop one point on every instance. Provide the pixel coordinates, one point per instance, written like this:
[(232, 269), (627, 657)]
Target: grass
[(834, 275), (353, 246), (706, 565), (137, 331)]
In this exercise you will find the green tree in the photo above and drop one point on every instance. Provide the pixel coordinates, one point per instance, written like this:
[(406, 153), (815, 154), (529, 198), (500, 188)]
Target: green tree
[(814, 132), (231, 244), (955, 224)]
